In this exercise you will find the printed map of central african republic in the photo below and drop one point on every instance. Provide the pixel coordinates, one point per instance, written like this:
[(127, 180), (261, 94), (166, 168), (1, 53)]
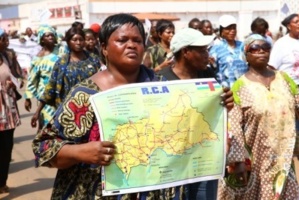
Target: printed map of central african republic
[(166, 134), (136, 141)]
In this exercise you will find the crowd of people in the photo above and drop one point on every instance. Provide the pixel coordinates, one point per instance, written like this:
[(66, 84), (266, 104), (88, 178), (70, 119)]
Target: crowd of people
[(259, 76)]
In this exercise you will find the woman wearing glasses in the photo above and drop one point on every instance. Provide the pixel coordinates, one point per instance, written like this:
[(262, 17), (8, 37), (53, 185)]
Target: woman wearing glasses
[(262, 126)]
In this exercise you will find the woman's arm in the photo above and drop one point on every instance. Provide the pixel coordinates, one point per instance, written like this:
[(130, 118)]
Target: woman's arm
[(98, 153)]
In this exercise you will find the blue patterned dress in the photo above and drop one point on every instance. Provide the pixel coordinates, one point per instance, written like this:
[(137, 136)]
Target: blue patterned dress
[(39, 75), (66, 74), (230, 64)]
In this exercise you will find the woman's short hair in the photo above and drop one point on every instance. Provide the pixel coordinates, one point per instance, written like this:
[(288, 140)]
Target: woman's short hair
[(76, 24), (259, 22), (288, 20), (90, 31), (73, 31), (162, 25), (192, 21), (113, 22)]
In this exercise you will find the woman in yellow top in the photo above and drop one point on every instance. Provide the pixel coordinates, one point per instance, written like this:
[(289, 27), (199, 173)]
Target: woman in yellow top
[(262, 125)]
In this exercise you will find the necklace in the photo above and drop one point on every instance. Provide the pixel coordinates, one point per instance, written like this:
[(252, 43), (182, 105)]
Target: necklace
[(266, 81)]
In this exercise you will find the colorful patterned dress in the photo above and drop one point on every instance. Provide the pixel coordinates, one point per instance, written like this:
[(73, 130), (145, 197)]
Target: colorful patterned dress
[(9, 113), (66, 74), (263, 121), (39, 75), (75, 123)]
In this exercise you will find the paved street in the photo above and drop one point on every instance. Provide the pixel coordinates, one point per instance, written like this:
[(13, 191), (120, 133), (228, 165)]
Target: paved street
[(25, 181)]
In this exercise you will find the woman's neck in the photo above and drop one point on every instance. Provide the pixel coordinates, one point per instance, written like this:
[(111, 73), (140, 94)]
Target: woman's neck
[(184, 72), (77, 56), (111, 78), (294, 35), (231, 43), (261, 70), (48, 49), (165, 45)]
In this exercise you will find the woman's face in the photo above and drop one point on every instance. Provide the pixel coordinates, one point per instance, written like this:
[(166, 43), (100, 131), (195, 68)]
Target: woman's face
[(195, 25), (76, 44), (48, 39), (124, 49), (207, 28), (197, 57), (294, 26), (90, 41), (229, 33), (257, 54), (167, 35)]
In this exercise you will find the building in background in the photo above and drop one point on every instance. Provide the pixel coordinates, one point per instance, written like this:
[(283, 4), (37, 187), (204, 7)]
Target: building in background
[(62, 14)]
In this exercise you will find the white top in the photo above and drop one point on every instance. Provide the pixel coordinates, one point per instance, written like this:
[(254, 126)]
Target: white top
[(285, 56)]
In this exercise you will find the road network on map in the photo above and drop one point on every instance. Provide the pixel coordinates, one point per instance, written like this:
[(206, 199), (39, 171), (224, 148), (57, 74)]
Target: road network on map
[(174, 129)]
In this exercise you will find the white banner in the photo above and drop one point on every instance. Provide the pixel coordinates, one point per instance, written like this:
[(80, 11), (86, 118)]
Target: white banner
[(25, 51)]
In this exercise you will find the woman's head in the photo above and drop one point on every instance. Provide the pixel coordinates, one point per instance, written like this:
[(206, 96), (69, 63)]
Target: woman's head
[(228, 27), (195, 24), (206, 27), (46, 35), (257, 50), (90, 39), (75, 39), (291, 22), (165, 30), (122, 39), (190, 48), (259, 26), (78, 25)]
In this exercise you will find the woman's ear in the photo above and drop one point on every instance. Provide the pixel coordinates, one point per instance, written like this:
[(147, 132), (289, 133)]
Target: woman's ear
[(104, 49), (184, 51)]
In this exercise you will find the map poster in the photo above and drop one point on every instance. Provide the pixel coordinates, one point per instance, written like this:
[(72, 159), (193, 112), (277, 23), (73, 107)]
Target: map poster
[(166, 133)]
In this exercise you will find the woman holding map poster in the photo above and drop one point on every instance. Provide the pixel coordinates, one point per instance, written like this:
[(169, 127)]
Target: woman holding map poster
[(262, 124), (71, 141)]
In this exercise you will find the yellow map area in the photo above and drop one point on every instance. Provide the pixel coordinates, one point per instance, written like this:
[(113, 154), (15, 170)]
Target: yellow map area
[(174, 129)]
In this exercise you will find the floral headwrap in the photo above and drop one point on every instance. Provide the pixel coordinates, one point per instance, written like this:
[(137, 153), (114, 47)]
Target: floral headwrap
[(250, 39), (42, 29)]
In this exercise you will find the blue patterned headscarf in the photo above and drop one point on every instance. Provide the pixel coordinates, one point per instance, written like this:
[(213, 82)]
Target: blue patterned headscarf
[(42, 29)]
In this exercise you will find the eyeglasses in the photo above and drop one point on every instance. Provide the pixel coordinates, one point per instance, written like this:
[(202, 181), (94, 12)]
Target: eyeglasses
[(256, 48)]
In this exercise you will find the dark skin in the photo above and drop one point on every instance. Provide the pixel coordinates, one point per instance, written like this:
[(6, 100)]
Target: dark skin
[(259, 71), (48, 44), (165, 39), (196, 25), (76, 44), (229, 33), (124, 51), (293, 28), (4, 43), (194, 59), (154, 38), (207, 28)]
